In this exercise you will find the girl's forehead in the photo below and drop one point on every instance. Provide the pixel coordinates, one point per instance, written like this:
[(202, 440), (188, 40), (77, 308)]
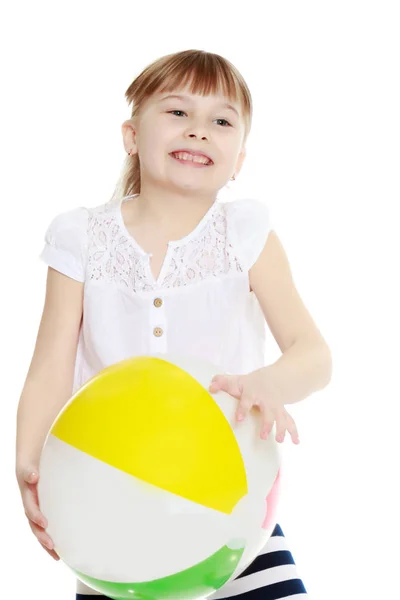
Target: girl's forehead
[(185, 95), (189, 94), (190, 90)]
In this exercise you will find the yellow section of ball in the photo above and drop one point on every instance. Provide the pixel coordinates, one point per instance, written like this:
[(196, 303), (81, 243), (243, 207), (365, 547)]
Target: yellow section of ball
[(151, 419)]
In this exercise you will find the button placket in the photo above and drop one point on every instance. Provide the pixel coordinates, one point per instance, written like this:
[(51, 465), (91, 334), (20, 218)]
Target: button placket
[(158, 336)]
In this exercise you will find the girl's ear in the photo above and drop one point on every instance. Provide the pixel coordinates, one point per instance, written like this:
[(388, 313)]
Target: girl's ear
[(240, 161), (129, 135)]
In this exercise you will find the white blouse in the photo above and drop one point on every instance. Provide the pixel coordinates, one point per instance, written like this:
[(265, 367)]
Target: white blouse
[(200, 305)]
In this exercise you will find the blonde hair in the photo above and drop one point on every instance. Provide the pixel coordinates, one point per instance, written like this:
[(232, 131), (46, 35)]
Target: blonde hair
[(207, 72)]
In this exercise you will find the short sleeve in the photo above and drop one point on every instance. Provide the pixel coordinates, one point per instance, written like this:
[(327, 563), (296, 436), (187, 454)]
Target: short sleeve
[(250, 223), (65, 247)]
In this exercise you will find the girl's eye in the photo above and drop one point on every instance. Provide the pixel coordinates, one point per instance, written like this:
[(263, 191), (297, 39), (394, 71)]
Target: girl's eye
[(225, 121), (181, 111)]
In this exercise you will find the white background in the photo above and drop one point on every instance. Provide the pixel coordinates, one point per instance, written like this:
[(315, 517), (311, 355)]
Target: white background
[(323, 153)]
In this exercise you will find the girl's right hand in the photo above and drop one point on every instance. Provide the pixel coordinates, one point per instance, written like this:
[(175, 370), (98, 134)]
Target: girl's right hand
[(27, 481)]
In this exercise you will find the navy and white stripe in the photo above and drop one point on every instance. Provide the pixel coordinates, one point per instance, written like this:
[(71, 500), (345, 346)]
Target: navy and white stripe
[(271, 576)]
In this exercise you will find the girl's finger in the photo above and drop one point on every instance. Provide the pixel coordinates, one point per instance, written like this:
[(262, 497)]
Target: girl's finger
[(231, 384), (32, 508), (31, 476), (52, 553), (41, 535), (292, 429), (281, 425), (243, 408), (268, 419)]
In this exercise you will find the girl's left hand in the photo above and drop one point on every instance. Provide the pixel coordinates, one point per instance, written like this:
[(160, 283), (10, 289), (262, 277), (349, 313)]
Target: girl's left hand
[(253, 390)]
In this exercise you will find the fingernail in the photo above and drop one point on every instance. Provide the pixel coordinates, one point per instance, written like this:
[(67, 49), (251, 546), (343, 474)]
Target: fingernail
[(240, 417)]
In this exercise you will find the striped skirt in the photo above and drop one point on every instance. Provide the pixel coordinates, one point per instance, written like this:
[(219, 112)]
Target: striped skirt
[(271, 576)]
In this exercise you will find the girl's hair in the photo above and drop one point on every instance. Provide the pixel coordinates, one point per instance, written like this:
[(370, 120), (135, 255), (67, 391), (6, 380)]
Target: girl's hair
[(207, 73)]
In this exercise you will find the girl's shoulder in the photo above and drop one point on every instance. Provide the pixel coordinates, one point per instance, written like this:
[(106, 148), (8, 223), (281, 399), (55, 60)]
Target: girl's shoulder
[(248, 225), (247, 211), (78, 219), (69, 220), (66, 239)]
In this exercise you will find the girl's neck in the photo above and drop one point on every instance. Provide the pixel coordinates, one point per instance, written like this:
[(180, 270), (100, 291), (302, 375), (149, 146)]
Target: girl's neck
[(172, 215)]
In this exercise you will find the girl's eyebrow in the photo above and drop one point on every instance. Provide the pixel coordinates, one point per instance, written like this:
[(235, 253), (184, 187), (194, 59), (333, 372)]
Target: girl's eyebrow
[(180, 97)]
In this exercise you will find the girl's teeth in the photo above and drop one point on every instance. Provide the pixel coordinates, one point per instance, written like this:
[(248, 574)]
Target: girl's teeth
[(197, 159)]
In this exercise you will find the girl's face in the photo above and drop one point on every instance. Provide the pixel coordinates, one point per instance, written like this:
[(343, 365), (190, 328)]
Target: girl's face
[(175, 121)]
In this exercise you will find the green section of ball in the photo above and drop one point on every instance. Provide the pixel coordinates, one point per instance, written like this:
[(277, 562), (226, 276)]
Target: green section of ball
[(191, 584)]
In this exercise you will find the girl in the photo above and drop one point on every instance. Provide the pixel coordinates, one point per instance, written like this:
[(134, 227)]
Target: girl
[(164, 266)]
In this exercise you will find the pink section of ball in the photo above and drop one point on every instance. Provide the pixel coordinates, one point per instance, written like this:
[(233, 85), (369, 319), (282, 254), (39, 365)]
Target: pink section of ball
[(272, 501)]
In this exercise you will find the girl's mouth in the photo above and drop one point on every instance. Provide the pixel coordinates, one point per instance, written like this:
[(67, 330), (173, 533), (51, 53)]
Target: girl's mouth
[(190, 162)]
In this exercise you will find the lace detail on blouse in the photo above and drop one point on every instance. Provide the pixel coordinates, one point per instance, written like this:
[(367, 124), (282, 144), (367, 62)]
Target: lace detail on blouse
[(113, 256)]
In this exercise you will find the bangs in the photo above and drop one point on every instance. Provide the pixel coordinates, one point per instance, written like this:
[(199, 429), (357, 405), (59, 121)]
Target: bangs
[(203, 73)]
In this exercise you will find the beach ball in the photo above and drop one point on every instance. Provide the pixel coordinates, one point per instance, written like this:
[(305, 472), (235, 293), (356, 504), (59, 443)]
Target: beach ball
[(152, 491)]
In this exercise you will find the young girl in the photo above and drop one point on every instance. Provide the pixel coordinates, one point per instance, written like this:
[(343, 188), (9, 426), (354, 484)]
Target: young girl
[(164, 266)]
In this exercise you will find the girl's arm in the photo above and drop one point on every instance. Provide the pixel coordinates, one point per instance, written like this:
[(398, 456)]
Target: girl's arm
[(48, 385), (306, 363), (49, 382)]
